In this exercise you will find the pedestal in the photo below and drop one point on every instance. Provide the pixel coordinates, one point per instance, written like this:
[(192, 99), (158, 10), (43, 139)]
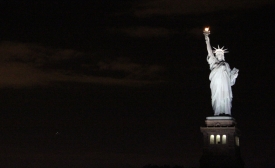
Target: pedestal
[(221, 143)]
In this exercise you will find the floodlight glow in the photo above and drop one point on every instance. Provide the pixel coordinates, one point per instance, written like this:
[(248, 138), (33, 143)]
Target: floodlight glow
[(218, 139), (224, 139), (211, 139), (237, 141)]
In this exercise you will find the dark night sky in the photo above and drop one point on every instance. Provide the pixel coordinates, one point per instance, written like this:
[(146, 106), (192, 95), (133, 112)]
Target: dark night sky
[(125, 83)]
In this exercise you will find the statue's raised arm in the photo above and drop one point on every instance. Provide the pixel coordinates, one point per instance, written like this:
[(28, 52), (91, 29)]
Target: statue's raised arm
[(211, 59), (208, 46)]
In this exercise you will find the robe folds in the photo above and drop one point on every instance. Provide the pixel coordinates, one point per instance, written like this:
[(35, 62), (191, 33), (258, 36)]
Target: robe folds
[(222, 79)]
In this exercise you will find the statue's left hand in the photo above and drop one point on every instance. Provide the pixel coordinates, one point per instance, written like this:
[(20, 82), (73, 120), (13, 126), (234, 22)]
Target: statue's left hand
[(235, 72), (236, 75)]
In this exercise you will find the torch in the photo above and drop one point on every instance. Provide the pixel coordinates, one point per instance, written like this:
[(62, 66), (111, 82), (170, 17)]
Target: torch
[(206, 31)]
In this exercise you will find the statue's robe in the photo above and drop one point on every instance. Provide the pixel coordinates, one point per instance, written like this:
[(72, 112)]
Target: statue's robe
[(221, 79)]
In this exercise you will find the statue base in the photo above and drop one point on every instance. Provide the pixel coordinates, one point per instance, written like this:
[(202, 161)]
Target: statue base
[(221, 146), (220, 121)]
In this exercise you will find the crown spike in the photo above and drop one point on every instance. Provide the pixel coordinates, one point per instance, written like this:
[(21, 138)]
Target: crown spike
[(220, 50)]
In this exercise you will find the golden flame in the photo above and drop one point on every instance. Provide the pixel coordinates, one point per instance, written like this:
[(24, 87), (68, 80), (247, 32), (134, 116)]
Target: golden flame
[(206, 29)]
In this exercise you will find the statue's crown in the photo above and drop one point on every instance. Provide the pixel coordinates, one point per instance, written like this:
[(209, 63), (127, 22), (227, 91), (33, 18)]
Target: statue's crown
[(220, 50)]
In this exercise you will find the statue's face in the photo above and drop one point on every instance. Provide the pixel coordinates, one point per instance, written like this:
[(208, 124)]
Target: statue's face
[(220, 56)]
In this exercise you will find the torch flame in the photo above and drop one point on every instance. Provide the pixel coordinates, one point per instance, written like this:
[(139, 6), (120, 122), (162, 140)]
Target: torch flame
[(206, 29)]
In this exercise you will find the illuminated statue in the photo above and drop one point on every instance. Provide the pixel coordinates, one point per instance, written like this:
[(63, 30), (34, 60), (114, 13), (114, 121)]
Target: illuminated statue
[(221, 77)]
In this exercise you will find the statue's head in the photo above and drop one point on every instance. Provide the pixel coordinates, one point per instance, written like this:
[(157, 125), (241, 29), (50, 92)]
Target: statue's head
[(219, 56), (219, 53)]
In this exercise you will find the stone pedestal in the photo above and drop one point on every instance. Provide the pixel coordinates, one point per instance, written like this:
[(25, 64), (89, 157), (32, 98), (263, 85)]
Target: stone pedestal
[(221, 146)]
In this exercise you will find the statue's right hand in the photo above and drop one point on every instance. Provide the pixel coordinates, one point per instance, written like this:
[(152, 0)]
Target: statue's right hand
[(206, 38)]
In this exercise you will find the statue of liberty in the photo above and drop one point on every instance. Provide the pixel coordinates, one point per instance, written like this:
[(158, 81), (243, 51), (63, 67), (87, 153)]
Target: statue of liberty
[(221, 77)]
